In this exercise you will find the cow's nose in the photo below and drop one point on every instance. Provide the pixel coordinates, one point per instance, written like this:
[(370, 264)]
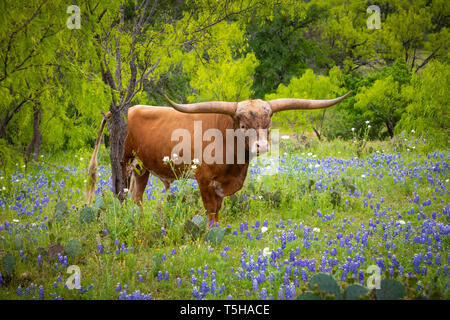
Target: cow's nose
[(262, 146)]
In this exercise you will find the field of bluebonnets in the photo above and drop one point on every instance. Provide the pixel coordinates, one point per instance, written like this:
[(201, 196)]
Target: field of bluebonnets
[(338, 208)]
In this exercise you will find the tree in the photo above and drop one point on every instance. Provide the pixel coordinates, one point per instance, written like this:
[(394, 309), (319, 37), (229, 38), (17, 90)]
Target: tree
[(27, 62), (309, 86), (418, 31), (136, 42), (428, 103), (382, 103), (280, 42)]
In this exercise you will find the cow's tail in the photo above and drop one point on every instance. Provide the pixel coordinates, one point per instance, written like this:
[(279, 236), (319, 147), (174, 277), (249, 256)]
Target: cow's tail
[(92, 171)]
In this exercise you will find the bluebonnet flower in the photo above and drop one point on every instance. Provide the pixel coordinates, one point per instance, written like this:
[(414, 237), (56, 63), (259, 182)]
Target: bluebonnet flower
[(41, 293)]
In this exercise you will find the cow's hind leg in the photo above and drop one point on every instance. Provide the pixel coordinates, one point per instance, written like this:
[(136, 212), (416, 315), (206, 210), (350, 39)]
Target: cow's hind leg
[(138, 184)]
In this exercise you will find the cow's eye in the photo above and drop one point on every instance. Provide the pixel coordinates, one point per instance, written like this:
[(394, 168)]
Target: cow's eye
[(242, 126)]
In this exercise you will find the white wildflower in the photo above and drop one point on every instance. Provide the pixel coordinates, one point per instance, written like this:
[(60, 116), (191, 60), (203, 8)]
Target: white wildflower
[(263, 229), (195, 161), (166, 159), (125, 190), (401, 222), (266, 252), (369, 126), (81, 159), (285, 137), (194, 166), (316, 229), (174, 156), (363, 176), (353, 129), (367, 122), (412, 131), (15, 220)]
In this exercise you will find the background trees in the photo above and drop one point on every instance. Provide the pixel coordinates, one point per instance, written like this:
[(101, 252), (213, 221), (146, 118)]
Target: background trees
[(56, 82)]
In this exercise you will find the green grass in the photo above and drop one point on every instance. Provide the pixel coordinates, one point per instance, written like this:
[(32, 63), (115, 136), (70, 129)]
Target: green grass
[(292, 195)]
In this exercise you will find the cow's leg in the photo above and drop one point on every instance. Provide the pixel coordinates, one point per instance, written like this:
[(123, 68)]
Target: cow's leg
[(209, 198), (219, 200), (138, 187)]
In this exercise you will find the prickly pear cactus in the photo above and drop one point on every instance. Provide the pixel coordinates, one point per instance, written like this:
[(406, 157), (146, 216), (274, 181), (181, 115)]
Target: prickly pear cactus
[(355, 292), (73, 247), (325, 284), (61, 206), (195, 226), (99, 203), (18, 241), (87, 215), (9, 263), (215, 236), (391, 289), (308, 295)]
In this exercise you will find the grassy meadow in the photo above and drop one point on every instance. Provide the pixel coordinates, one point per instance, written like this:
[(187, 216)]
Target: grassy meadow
[(333, 207)]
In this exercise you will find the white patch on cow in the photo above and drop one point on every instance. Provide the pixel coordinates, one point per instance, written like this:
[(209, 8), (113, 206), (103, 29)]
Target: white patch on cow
[(217, 188)]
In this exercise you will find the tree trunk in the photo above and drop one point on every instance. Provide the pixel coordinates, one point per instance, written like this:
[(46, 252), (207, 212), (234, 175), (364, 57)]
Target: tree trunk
[(117, 129), (389, 124), (317, 133), (36, 140)]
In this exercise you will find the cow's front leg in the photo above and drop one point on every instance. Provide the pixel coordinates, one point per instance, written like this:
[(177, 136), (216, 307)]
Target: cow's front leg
[(211, 202)]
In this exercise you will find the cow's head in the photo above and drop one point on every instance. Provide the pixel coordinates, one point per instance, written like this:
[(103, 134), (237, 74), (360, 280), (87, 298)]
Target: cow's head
[(254, 116)]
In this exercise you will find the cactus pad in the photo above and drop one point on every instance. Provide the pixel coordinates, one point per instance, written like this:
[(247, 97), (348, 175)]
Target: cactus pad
[(73, 247), (326, 284), (391, 289), (355, 291), (215, 236), (87, 215), (308, 295), (9, 263)]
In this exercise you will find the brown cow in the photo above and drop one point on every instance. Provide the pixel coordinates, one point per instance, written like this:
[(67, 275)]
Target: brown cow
[(149, 139)]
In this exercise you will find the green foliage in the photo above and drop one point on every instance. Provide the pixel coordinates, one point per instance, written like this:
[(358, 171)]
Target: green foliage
[(18, 241), (73, 248), (428, 100), (355, 291), (308, 86), (9, 263), (279, 44)]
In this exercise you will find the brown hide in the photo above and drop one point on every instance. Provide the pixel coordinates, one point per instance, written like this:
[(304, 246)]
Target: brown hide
[(149, 131)]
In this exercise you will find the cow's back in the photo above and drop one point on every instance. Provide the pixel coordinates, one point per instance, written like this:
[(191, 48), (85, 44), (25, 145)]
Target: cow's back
[(149, 133)]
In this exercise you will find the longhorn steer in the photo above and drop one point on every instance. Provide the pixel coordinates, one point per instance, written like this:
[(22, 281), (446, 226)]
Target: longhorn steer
[(149, 139)]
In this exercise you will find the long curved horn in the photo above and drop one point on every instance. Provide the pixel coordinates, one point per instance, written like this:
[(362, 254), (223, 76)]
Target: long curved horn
[(205, 107), (292, 104)]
